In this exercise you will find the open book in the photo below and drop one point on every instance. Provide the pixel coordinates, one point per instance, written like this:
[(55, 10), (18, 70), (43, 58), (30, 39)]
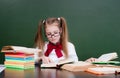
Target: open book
[(57, 65), (106, 58), (77, 66), (103, 70), (19, 49)]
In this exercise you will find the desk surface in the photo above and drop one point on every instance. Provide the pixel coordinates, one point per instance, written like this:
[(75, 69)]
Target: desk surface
[(37, 72)]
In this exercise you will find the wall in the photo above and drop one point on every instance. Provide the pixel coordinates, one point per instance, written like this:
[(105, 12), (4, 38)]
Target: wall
[(94, 25)]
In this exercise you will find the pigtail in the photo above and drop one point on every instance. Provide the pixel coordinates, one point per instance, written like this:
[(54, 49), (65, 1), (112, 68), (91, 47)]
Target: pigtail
[(39, 38), (64, 35), (39, 41)]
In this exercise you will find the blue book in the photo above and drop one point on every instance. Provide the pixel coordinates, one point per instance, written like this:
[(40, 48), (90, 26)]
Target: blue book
[(14, 58)]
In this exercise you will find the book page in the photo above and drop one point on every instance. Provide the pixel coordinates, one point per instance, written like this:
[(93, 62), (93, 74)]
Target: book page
[(81, 63), (77, 66), (103, 70), (2, 67), (66, 61), (30, 50), (20, 49), (108, 57), (48, 65)]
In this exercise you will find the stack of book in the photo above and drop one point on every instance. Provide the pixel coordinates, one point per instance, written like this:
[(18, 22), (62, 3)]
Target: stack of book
[(19, 60), (19, 57)]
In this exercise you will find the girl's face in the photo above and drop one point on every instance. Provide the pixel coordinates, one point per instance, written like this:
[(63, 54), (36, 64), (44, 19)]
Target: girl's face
[(53, 33)]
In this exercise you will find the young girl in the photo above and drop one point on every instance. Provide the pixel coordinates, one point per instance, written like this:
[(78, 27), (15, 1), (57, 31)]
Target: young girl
[(56, 47)]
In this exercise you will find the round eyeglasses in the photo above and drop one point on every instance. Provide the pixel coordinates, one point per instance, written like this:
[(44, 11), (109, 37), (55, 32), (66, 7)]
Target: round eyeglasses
[(55, 34)]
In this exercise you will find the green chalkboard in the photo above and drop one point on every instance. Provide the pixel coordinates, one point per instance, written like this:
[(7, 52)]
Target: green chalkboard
[(94, 25)]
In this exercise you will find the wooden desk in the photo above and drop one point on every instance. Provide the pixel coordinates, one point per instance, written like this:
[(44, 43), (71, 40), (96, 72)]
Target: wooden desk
[(49, 73)]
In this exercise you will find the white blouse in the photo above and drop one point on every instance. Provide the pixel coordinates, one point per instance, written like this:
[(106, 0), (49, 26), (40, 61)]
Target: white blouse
[(71, 53)]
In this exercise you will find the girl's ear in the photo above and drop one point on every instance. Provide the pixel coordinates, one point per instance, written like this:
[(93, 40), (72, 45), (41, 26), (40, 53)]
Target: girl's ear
[(60, 30)]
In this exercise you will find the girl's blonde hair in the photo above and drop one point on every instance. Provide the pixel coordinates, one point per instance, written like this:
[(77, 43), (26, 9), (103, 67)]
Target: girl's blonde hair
[(39, 38)]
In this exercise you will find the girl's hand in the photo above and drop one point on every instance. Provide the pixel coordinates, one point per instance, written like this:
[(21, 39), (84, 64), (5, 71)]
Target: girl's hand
[(45, 59), (91, 60)]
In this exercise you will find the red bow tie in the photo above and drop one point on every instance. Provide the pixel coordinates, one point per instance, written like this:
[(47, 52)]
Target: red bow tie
[(57, 47)]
